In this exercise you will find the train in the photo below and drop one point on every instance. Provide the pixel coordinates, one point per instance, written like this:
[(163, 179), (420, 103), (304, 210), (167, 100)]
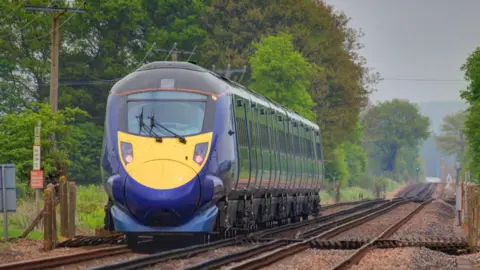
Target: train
[(186, 150)]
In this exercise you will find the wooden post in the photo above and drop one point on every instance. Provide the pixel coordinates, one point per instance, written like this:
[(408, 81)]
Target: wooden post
[(63, 206), (53, 216), (474, 208), (47, 221), (472, 229), (72, 197)]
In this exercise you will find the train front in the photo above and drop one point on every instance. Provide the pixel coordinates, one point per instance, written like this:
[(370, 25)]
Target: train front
[(161, 138)]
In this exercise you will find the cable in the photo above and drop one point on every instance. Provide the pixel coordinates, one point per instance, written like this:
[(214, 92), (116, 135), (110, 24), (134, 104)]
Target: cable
[(49, 33), (36, 17), (117, 79), (8, 15), (422, 80)]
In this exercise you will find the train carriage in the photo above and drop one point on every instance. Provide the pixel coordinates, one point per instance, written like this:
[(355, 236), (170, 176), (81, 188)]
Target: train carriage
[(186, 150)]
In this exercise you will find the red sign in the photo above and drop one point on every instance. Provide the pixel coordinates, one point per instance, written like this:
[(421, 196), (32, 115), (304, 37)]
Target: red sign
[(36, 179)]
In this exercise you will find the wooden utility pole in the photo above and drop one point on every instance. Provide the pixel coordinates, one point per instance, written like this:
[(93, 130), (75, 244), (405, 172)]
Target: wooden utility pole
[(55, 12)]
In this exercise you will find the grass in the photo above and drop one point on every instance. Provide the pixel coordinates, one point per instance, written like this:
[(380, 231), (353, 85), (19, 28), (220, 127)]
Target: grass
[(353, 193), (89, 213)]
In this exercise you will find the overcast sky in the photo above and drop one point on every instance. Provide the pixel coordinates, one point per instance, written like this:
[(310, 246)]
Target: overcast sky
[(416, 39)]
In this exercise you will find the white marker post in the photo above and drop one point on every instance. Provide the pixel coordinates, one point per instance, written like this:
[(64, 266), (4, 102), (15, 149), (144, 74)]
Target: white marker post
[(35, 182)]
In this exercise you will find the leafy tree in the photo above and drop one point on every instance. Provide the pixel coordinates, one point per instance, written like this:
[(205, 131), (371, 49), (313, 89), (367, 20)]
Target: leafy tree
[(282, 74), (391, 127), (340, 85), (453, 141), (355, 156), (337, 169), (472, 123), (16, 139), (85, 168)]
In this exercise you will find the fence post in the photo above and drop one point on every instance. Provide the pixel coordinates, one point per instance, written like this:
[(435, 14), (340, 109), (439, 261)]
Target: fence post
[(47, 219), (72, 197), (471, 217), (63, 206), (474, 210), (54, 216)]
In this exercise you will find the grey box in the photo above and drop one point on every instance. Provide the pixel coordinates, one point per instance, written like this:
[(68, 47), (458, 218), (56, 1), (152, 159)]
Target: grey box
[(7, 179)]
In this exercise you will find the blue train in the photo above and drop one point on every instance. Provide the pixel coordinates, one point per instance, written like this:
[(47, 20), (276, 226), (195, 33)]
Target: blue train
[(188, 151)]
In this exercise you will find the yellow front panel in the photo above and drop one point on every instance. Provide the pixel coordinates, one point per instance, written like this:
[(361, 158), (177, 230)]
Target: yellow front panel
[(163, 165)]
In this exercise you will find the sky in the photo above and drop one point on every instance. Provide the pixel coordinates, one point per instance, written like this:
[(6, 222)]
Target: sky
[(416, 39)]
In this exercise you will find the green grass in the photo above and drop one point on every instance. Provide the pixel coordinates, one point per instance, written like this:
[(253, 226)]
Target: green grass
[(14, 232), (89, 213), (353, 193)]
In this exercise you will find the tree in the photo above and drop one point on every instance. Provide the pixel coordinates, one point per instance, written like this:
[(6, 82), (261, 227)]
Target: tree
[(282, 74), (355, 155), (16, 139), (472, 123), (337, 169), (339, 87), (392, 126), (453, 140)]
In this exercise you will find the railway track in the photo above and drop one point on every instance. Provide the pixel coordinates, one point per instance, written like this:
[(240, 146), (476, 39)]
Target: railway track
[(275, 250), (318, 231), (66, 259)]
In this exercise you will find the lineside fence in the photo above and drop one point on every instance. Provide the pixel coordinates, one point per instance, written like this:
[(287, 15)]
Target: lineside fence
[(65, 197), (469, 213)]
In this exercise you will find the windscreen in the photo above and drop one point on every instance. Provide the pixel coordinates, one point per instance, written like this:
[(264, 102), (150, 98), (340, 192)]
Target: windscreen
[(180, 112)]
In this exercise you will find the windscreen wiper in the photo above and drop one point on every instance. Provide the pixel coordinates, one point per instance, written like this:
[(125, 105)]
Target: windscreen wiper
[(150, 132), (154, 123)]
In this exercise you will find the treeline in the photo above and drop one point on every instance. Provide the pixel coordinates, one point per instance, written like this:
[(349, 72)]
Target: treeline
[(299, 53), (464, 139)]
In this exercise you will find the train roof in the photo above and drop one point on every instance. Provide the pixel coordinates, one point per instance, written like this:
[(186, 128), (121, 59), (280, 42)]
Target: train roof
[(191, 76)]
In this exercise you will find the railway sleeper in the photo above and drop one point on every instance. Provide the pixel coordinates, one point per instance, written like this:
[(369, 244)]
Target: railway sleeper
[(444, 245)]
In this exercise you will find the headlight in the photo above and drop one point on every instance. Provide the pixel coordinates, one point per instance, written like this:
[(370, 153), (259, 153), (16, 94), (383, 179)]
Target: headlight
[(200, 153), (127, 152)]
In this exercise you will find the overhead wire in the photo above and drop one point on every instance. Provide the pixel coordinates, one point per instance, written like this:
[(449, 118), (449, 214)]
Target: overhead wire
[(35, 18), (147, 54), (13, 11), (422, 80), (68, 19)]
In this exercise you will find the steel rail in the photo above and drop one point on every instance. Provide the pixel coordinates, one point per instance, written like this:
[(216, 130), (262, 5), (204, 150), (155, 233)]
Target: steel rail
[(170, 255), (361, 252), (335, 205), (262, 259), (281, 229), (198, 249), (50, 262), (352, 221)]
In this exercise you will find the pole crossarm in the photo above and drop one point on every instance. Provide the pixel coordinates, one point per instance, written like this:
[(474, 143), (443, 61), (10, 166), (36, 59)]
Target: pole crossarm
[(54, 9)]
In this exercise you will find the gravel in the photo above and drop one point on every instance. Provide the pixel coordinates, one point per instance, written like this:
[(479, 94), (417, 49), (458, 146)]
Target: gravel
[(434, 220), (292, 233), (177, 264), (406, 258), (449, 191), (438, 192), (26, 249), (376, 226), (98, 262), (311, 259)]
